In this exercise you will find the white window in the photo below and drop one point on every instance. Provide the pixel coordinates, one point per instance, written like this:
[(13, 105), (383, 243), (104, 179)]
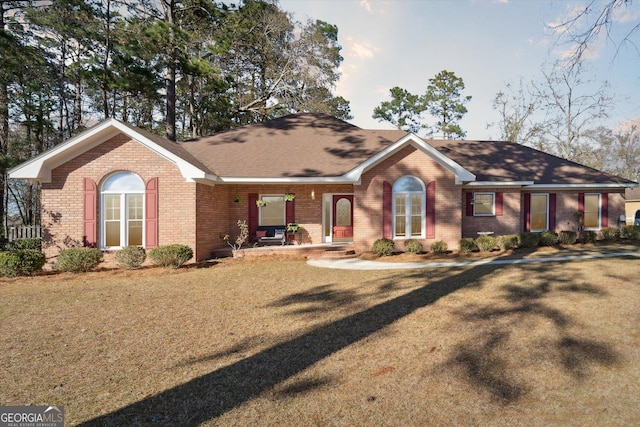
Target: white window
[(539, 212), (408, 207), (273, 212), (592, 211), (484, 204), (122, 199)]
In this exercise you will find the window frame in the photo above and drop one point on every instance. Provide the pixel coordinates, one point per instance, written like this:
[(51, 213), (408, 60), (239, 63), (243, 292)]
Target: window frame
[(584, 212), (284, 209), (124, 196), (408, 216), (546, 226), (493, 203)]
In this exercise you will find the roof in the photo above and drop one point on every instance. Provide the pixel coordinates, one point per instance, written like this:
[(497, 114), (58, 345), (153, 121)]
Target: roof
[(299, 145), (311, 147)]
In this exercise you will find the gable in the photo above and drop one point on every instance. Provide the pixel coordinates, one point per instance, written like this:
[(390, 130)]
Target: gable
[(40, 167)]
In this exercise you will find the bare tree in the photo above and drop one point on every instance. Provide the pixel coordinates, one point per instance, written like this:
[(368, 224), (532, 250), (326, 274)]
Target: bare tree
[(517, 107)]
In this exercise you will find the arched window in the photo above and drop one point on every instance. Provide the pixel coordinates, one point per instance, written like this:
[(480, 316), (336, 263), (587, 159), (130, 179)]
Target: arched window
[(408, 207), (122, 202)]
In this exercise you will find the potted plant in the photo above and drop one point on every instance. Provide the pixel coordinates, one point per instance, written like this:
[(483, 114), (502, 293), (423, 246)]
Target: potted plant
[(288, 197), (293, 227), (260, 203), (237, 199)]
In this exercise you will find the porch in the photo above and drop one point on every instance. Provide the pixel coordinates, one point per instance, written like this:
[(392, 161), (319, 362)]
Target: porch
[(336, 250)]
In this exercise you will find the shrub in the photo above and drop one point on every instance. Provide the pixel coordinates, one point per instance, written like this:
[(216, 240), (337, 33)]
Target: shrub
[(35, 244), (567, 237), (131, 257), (588, 236), (631, 232), (172, 256), (508, 241), (610, 234), (21, 262), (528, 240), (412, 247), (78, 260), (439, 247), (384, 247), (467, 245), (486, 243), (548, 238)]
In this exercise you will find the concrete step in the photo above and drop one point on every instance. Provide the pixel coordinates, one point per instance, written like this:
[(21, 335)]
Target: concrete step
[(337, 253)]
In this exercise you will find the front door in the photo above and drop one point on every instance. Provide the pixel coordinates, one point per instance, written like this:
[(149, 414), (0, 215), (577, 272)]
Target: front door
[(342, 218)]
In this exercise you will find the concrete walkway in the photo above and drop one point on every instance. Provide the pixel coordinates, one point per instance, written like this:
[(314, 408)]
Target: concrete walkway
[(358, 264)]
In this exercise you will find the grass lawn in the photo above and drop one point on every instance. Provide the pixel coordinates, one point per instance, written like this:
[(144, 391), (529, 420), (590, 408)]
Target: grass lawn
[(274, 341)]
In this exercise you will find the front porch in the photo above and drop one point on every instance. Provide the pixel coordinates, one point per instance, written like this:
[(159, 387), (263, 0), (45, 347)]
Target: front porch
[(319, 250)]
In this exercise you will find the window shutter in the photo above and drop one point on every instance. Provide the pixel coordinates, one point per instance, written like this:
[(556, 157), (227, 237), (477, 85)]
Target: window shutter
[(604, 210), (253, 214), (552, 211), (581, 203), (90, 222), (498, 201), (387, 194), (290, 208), (469, 203), (527, 212), (431, 210), (151, 213)]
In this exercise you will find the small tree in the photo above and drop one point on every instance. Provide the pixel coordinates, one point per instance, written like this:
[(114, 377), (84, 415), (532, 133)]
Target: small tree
[(236, 246)]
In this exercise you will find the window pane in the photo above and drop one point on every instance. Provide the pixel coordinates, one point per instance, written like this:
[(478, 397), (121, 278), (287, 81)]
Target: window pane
[(592, 211), (483, 203), (343, 213), (416, 215), (135, 233), (538, 212), (273, 212), (123, 182), (112, 208), (112, 229), (407, 183), (400, 214), (135, 206)]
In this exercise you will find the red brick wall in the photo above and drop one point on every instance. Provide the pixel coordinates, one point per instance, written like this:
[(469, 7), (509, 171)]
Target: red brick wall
[(409, 161), (510, 222), (62, 199)]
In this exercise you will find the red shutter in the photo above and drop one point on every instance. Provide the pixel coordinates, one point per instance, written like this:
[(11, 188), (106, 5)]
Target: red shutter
[(290, 208), (527, 212), (552, 211), (387, 194), (90, 221), (431, 210), (604, 210), (253, 214), (581, 203), (469, 203), (499, 202), (151, 213)]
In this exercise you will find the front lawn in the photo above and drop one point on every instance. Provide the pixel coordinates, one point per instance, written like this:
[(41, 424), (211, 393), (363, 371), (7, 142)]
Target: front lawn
[(276, 342)]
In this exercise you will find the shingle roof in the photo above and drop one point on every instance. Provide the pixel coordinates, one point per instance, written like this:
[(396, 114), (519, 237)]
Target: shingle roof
[(299, 145)]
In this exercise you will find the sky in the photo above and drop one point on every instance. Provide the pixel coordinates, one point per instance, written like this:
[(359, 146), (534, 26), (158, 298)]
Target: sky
[(487, 43)]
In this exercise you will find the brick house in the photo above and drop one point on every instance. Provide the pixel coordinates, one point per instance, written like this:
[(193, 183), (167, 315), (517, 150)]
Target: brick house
[(116, 185)]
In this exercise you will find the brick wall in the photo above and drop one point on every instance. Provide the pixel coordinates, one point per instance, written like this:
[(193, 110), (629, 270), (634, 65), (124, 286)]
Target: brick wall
[(409, 161), (62, 199), (510, 222)]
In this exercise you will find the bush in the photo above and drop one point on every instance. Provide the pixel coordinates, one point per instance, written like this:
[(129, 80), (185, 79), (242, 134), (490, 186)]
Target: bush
[(21, 262), (567, 237), (78, 260), (412, 247), (486, 243), (631, 232), (439, 247), (610, 234), (548, 238), (384, 247), (588, 236), (467, 245), (35, 244), (131, 257), (172, 256), (528, 240), (508, 241)]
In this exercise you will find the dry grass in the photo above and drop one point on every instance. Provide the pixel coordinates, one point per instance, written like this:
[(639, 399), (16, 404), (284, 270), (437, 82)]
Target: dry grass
[(277, 342)]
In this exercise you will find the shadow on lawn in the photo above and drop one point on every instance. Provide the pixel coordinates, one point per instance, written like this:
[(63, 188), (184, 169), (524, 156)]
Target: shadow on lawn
[(481, 359), (211, 395)]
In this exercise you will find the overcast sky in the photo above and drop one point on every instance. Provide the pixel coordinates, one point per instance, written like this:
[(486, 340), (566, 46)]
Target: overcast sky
[(387, 43)]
